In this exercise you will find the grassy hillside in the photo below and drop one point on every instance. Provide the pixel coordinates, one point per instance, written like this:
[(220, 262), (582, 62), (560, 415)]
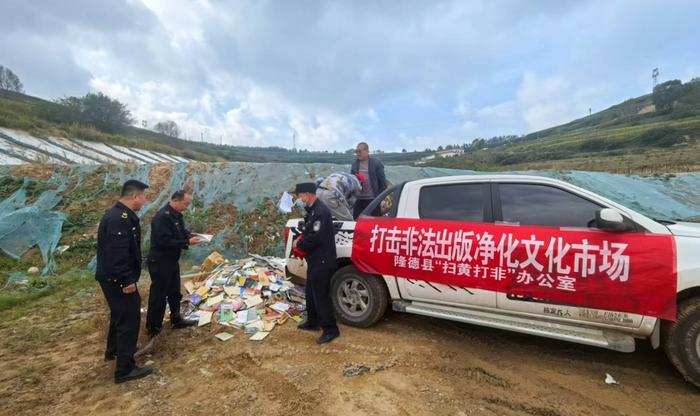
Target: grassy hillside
[(633, 136), (41, 117)]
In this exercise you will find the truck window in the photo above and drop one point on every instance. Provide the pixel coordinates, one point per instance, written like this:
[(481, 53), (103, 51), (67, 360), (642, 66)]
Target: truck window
[(384, 205), (530, 204), (458, 202)]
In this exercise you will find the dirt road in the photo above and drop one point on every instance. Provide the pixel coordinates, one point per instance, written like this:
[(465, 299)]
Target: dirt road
[(421, 366)]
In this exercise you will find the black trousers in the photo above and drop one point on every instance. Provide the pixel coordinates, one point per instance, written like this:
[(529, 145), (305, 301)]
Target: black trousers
[(319, 306), (124, 323), (165, 288), (360, 206)]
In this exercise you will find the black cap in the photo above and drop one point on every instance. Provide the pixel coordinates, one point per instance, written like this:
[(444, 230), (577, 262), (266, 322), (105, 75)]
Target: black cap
[(305, 187), (132, 185)]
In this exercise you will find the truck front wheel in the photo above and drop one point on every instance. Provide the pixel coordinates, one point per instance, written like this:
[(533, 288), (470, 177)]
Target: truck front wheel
[(359, 299), (682, 340)]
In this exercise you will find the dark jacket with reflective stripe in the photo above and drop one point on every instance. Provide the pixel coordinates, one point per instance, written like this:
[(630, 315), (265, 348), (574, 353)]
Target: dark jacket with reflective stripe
[(119, 246), (168, 234), (318, 240)]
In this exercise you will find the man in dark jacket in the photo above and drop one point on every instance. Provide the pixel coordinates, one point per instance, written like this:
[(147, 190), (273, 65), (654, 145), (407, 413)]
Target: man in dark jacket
[(168, 238), (375, 182), (118, 270), (318, 244)]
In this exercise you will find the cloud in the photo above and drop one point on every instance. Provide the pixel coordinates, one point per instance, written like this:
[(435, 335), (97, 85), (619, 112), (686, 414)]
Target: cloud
[(407, 74)]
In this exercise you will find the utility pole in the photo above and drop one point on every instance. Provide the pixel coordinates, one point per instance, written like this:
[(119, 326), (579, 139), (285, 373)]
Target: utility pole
[(201, 136), (654, 76), (221, 140), (589, 111), (294, 142)]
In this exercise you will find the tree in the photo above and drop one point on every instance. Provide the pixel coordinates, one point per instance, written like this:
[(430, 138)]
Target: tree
[(9, 81), (99, 110), (403, 150), (665, 94), (169, 128)]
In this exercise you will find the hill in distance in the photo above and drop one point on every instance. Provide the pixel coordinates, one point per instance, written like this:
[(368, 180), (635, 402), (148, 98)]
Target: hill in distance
[(41, 118), (654, 133)]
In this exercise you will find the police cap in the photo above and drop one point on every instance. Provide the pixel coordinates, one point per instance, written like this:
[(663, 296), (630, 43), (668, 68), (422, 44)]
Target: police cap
[(305, 187)]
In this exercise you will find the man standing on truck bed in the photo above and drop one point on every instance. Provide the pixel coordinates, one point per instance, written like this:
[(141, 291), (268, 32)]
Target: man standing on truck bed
[(375, 182), (318, 244)]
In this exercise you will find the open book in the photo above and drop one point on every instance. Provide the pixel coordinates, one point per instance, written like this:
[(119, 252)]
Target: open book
[(205, 238)]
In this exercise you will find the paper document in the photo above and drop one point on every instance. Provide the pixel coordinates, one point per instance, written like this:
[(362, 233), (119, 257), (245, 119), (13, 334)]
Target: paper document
[(286, 203), (205, 238)]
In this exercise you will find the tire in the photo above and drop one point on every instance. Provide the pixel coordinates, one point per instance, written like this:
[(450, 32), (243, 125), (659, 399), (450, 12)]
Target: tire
[(682, 340), (359, 299)]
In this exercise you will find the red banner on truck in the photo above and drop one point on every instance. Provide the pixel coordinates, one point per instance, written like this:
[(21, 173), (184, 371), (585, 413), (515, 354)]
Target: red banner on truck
[(626, 272)]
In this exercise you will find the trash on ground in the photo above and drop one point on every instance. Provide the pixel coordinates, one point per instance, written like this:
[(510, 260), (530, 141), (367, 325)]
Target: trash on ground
[(352, 370), (609, 379), (252, 294)]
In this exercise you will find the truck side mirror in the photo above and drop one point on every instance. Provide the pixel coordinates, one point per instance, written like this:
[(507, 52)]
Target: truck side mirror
[(609, 219)]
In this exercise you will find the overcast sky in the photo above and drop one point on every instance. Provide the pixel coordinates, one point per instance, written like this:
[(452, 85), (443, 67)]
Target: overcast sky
[(399, 74)]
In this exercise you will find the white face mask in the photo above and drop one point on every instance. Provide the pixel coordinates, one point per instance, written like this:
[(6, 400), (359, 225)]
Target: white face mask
[(299, 203)]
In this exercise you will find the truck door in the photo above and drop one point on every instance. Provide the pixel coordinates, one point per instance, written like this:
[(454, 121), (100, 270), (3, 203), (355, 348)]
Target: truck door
[(469, 202), (547, 205)]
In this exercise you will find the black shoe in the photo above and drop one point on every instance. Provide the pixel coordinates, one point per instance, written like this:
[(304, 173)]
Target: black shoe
[(308, 326), (134, 374), (110, 356), (327, 337), (184, 323)]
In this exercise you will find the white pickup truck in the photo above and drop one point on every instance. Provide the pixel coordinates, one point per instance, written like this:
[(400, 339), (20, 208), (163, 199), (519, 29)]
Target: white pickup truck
[(361, 299)]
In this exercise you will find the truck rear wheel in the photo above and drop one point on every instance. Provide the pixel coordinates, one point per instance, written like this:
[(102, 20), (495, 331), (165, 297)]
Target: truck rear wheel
[(682, 340), (359, 299)]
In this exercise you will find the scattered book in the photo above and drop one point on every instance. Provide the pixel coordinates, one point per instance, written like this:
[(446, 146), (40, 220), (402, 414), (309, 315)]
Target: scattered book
[(227, 313), (224, 336), (205, 318), (259, 336)]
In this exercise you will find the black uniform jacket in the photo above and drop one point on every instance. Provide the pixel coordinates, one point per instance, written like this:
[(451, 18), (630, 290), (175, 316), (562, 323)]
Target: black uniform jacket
[(168, 234), (119, 246), (318, 239)]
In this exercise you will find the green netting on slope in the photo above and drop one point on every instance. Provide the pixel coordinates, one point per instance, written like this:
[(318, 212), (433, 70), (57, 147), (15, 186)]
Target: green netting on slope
[(26, 222), (24, 226)]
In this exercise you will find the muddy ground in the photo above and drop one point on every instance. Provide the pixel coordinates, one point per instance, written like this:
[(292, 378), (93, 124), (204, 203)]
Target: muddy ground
[(51, 363)]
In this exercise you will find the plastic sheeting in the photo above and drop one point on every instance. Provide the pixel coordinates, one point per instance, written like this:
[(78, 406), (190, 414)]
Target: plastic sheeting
[(25, 224)]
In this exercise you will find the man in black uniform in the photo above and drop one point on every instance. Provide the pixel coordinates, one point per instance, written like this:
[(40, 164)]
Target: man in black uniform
[(318, 243), (168, 238), (118, 270)]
